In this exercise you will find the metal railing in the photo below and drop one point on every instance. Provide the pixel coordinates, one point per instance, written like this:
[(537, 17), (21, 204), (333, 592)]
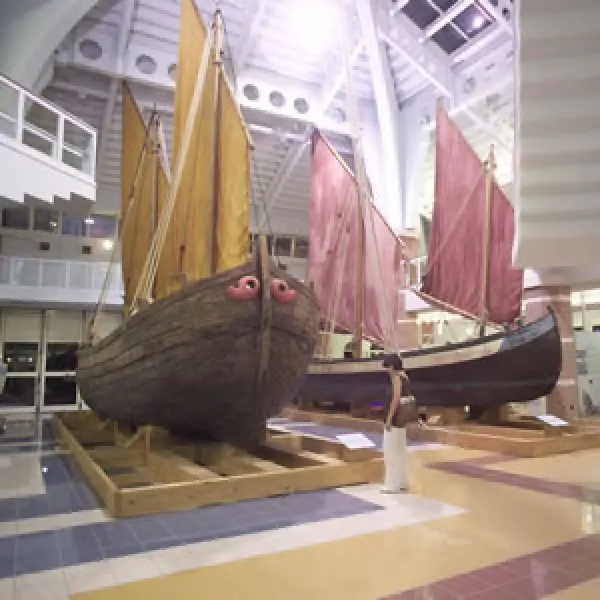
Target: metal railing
[(58, 274), (39, 124)]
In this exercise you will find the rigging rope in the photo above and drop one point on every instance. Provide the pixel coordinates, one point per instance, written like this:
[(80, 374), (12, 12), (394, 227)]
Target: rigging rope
[(151, 265), (121, 224), (382, 301), (262, 191)]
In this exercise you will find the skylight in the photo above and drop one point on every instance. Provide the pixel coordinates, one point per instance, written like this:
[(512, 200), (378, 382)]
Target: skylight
[(449, 33)]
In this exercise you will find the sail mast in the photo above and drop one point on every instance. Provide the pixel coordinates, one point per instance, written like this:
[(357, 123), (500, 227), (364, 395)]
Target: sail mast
[(485, 271), (360, 283), (154, 140), (213, 251)]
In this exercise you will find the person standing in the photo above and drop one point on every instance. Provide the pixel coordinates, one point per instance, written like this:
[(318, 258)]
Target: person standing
[(400, 410)]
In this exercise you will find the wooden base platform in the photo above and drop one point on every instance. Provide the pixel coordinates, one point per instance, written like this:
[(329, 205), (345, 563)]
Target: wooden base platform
[(524, 437), (513, 440), (145, 472)]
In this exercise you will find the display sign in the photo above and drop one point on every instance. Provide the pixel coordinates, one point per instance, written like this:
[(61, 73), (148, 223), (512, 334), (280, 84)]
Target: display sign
[(355, 440)]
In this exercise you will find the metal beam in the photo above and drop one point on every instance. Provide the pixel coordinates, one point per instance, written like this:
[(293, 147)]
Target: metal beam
[(493, 12), (113, 90), (286, 168), (330, 92), (445, 18), (250, 35), (427, 58)]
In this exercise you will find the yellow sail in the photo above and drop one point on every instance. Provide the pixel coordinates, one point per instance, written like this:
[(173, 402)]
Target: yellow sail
[(233, 196), (208, 231), (137, 221)]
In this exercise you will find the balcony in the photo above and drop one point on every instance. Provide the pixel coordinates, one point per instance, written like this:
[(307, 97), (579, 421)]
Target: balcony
[(47, 152), (57, 282)]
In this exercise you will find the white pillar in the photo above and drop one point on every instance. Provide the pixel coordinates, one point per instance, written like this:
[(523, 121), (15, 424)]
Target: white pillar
[(387, 112), (414, 141), (31, 30)]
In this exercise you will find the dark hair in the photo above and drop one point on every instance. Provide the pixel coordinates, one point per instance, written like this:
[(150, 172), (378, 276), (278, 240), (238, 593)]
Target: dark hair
[(394, 361)]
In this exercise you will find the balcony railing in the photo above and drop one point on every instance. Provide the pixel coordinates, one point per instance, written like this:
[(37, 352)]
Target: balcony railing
[(58, 274), (43, 126)]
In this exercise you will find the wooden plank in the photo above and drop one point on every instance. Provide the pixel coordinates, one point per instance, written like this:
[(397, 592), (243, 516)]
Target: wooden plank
[(95, 476), (124, 480), (170, 467), (186, 495), (510, 441), (288, 463)]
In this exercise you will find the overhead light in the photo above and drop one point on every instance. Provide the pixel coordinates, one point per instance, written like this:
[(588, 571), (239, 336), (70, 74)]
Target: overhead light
[(313, 25), (478, 21), (107, 244), (89, 221)]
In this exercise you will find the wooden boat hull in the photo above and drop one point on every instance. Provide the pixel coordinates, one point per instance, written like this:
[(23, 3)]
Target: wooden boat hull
[(515, 366), (189, 362)]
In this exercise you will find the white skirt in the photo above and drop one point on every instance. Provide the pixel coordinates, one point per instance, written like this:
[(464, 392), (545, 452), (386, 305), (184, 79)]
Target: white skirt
[(394, 458)]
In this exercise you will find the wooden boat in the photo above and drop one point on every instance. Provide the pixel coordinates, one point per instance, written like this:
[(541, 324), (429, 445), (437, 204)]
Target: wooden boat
[(514, 366), (469, 273), (214, 340)]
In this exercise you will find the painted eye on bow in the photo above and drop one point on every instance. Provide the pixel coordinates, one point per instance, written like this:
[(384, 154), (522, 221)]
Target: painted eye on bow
[(281, 291), (247, 288)]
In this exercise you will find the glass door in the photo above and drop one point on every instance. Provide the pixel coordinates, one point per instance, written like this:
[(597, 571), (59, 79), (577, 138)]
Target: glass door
[(62, 334), (21, 353)]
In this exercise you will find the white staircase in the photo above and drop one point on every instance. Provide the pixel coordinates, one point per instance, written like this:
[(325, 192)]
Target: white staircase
[(46, 154), (557, 198)]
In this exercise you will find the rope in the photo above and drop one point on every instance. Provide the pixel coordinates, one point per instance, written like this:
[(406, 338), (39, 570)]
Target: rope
[(262, 191), (151, 265), (361, 179), (337, 289), (120, 227), (457, 218)]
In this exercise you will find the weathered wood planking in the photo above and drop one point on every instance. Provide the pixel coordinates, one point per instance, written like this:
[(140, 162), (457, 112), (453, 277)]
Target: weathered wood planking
[(179, 476), (202, 364)]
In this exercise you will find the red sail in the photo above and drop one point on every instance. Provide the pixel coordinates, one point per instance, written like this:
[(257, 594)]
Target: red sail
[(455, 262), (334, 217)]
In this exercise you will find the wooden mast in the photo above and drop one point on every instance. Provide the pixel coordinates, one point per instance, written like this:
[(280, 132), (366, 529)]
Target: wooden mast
[(154, 205), (485, 275), (213, 241), (360, 281)]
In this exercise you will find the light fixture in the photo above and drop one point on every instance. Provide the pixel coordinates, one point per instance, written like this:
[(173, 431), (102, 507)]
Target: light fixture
[(478, 21), (89, 221), (313, 26), (107, 244)]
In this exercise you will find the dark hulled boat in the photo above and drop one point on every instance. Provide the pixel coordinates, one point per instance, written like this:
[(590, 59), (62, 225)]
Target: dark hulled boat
[(213, 342), (469, 272), (514, 366)]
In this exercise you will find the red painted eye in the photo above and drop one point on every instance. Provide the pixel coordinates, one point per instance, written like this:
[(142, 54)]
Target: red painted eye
[(247, 288), (281, 291)]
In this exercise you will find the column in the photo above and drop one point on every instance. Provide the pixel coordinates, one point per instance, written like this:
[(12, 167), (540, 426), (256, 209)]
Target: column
[(407, 326), (563, 402), (30, 31), (386, 104)]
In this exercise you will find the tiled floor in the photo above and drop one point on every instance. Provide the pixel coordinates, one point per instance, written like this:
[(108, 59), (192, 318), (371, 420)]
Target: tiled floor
[(477, 527)]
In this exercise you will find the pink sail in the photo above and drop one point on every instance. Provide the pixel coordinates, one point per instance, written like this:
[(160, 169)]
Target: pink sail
[(334, 221), (455, 263)]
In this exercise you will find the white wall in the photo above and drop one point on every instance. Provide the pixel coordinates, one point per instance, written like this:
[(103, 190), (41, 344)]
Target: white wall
[(30, 31)]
